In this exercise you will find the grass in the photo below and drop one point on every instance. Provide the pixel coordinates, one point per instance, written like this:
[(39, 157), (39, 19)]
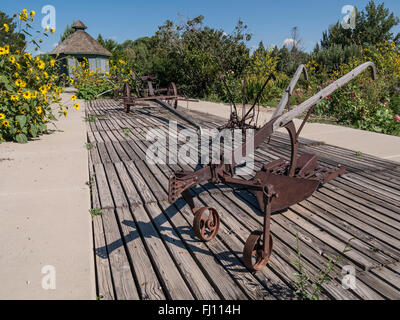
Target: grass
[(89, 146), (310, 287), (127, 132), (96, 212)]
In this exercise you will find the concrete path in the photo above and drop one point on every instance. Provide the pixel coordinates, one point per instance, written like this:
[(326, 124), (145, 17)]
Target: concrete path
[(379, 145), (44, 212)]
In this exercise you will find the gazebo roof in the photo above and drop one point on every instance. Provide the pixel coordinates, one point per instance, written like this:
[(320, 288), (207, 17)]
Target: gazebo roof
[(80, 42)]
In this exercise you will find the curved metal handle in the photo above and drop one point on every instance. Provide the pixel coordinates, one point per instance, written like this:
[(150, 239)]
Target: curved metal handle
[(289, 91), (300, 109)]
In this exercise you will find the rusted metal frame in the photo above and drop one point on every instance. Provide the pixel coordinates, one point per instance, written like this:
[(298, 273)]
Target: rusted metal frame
[(279, 175), (289, 91), (270, 77), (174, 111), (300, 109)]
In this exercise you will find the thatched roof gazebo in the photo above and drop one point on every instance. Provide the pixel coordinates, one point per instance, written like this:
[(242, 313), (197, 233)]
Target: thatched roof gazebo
[(80, 45)]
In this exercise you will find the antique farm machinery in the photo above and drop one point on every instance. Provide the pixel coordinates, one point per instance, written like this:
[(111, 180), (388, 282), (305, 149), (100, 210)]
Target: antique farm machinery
[(277, 186), (147, 89), (249, 119)]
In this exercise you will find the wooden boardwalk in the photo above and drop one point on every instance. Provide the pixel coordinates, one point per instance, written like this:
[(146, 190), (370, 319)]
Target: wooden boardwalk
[(145, 247)]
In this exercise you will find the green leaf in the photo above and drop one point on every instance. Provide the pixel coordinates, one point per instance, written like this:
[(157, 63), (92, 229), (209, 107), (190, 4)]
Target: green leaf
[(21, 138), (34, 131), (21, 120)]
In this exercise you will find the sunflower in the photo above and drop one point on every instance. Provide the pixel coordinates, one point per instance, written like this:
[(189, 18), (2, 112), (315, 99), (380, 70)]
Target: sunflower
[(6, 27), (2, 116), (73, 98), (41, 65), (6, 123), (14, 98), (52, 62), (12, 59), (22, 111), (27, 95), (43, 90), (52, 30), (33, 13), (77, 106), (39, 110), (2, 51), (20, 83), (65, 113)]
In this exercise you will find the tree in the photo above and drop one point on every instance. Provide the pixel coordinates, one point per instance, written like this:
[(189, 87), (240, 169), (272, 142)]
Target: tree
[(12, 37), (67, 32), (373, 25)]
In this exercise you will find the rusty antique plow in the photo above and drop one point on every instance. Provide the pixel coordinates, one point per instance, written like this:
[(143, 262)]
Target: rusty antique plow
[(277, 186)]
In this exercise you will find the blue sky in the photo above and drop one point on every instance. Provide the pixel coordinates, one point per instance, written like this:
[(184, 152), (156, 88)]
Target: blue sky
[(268, 20)]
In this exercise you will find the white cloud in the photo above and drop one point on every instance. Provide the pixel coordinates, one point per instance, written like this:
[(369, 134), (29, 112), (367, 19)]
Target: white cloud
[(289, 42)]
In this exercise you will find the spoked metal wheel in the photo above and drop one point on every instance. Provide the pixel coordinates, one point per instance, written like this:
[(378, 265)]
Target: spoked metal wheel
[(253, 256), (172, 91), (206, 223)]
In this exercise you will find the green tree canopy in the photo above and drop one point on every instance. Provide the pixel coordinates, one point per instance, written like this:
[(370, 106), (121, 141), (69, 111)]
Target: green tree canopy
[(67, 32), (373, 25), (12, 37)]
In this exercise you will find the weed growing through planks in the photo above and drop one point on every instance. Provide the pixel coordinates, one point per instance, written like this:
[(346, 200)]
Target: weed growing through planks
[(127, 132), (89, 146), (96, 212), (91, 182), (307, 287), (359, 154), (91, 118)]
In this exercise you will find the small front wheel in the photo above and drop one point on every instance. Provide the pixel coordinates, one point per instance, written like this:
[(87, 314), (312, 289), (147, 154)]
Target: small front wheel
[(253, 254), (206, 223)]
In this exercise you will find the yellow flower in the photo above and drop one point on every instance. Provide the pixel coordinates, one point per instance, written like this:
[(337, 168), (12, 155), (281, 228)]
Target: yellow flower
[(6, 27), (65, 113), (41, 65), (52, 30), (47, 29), (43, 89), (2, 51), (12, 59), (6, 123), (22, 111), (20, 83), (39, 110), (33, 13), (73, 98), (77, 106), (52, 62), (34, 95), (23, 16), (2, 116), (14, 98), (27, 95), (46, 75)]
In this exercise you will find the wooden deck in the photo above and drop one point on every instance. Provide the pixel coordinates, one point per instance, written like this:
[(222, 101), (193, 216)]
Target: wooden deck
[(145, 247)]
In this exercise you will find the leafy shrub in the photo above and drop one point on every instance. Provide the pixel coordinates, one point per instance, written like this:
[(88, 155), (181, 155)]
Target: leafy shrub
[(27, 87)]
